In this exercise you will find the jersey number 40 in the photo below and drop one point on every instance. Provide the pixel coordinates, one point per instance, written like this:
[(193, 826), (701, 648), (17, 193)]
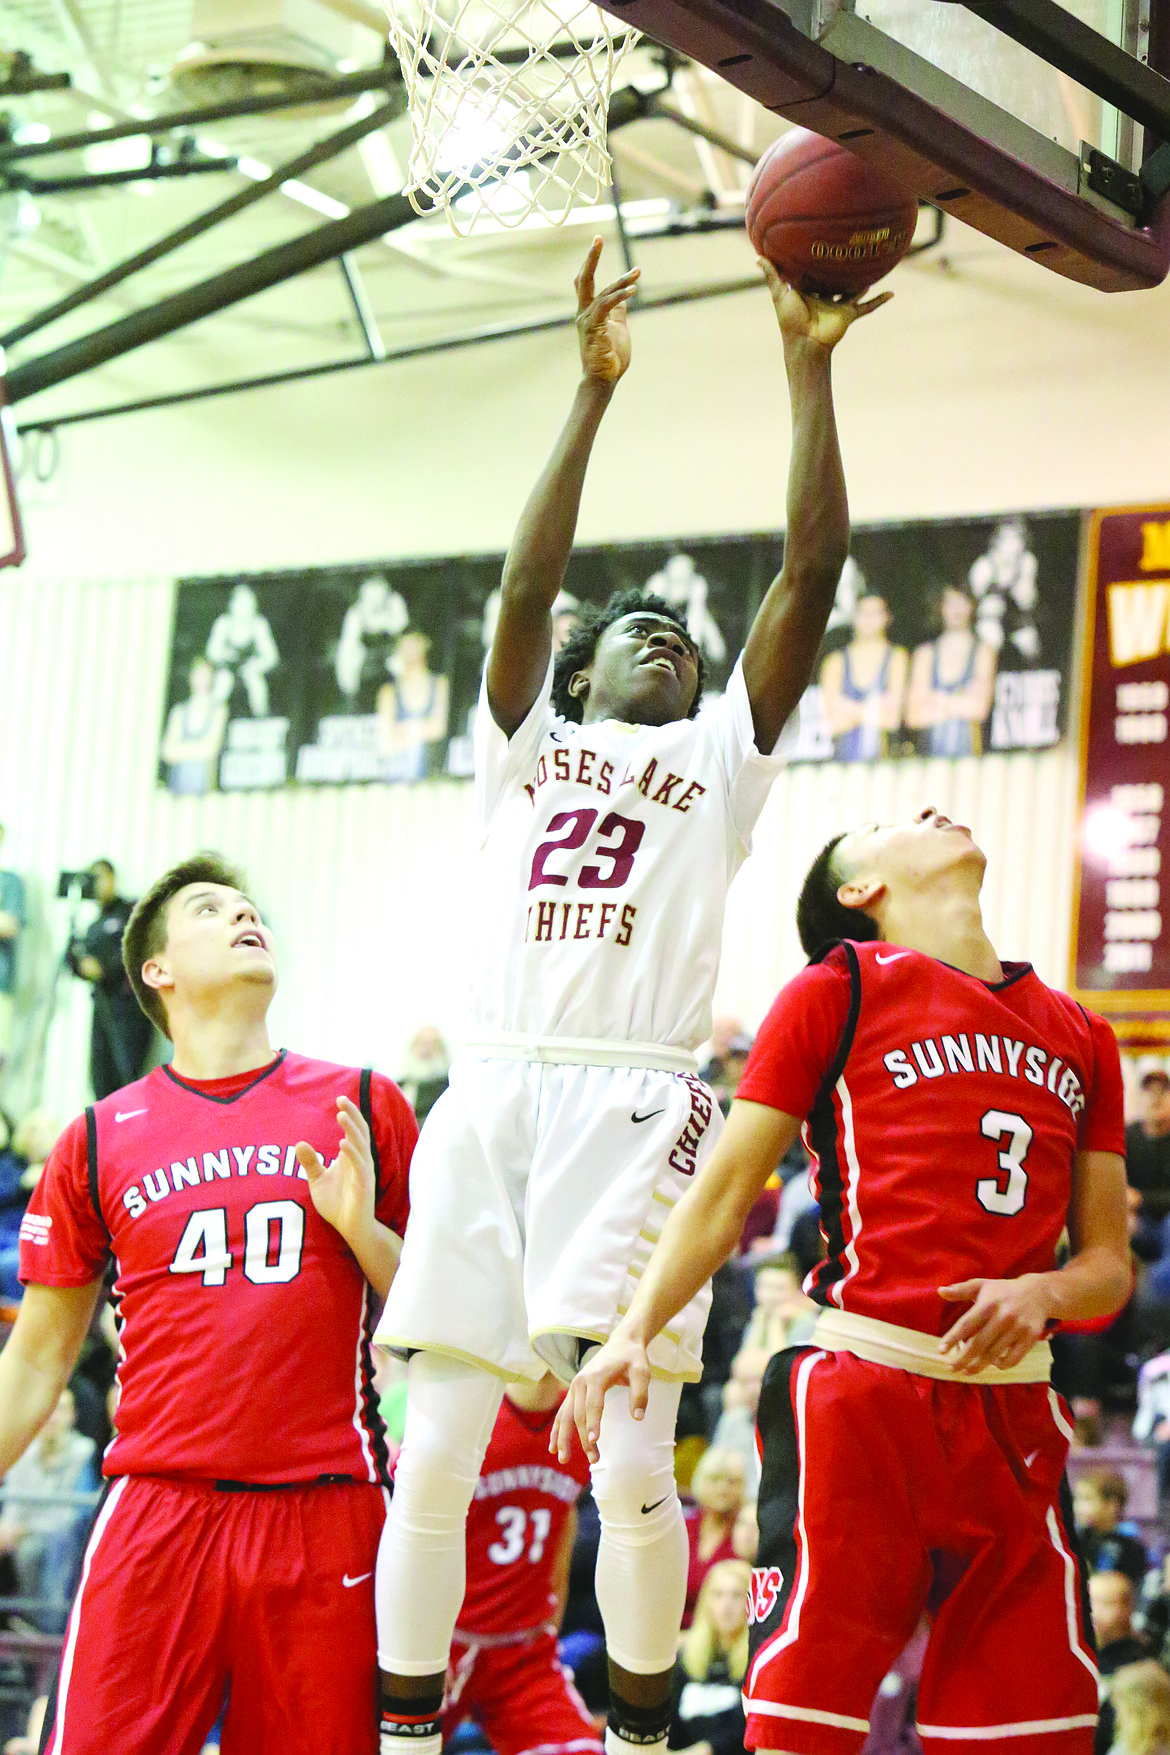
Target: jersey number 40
[(274, 1235)]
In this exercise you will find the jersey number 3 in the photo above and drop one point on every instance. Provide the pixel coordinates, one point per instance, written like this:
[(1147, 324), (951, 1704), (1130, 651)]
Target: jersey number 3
[(1005, 1197)]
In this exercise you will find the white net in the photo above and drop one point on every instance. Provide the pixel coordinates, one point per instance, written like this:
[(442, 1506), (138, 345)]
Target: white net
[(508, 105)]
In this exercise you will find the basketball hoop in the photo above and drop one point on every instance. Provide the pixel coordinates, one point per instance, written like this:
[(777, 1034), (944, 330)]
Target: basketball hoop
[(508, 105)]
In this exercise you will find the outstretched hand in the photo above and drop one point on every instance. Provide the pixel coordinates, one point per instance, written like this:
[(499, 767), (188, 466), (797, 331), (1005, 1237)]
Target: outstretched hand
[(602, 329), (620, 1360), (343, 1192), (805, 317)]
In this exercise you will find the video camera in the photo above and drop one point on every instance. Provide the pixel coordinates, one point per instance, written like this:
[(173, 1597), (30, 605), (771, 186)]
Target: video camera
[(77, 886)]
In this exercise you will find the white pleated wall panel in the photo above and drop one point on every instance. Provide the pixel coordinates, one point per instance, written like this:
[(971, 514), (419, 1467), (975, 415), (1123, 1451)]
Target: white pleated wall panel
[(368, 888)]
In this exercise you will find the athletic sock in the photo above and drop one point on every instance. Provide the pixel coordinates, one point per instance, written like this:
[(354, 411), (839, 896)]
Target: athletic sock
[(411, 1725), (637, 1730), (616, 1744)]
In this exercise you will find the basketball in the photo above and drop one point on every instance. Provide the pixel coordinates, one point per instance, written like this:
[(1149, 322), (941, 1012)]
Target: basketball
[(829, 221)]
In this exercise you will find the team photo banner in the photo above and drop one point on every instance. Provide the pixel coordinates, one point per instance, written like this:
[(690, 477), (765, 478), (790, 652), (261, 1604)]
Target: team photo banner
[(1121, 956), (946, 638)]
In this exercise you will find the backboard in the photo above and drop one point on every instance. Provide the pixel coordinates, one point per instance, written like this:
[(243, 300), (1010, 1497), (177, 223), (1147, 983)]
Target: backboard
[(1046, 129)]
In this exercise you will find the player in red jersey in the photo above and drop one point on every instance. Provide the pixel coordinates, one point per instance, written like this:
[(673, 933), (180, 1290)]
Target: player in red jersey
[(960, 1113), (234, 1550), (504, 1671)]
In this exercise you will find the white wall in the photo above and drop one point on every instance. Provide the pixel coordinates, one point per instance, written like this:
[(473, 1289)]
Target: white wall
[(992, 386)]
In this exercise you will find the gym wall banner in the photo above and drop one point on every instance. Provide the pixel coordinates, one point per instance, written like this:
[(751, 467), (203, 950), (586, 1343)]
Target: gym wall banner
[(945, 638), (1120, 954)]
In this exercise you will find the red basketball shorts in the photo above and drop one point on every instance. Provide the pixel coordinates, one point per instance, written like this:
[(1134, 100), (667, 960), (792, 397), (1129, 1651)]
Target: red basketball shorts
[(520, 1697), (884, 1494), (188, 1594)]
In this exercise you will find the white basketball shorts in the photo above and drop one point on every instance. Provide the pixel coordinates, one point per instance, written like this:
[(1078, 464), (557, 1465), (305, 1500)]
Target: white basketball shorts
[(537, 1194)]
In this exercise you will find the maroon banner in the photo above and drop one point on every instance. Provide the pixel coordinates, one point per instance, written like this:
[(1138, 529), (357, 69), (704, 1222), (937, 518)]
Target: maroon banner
[(1121, 955)]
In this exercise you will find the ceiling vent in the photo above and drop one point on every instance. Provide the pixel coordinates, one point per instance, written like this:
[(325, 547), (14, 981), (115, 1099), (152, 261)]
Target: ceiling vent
[(263, 48)]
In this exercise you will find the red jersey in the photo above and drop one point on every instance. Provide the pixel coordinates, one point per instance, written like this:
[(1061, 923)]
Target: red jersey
[(244, 1318), (516, 1525), (943, 1115)]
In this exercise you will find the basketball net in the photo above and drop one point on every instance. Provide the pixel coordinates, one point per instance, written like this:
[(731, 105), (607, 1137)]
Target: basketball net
[(508, 105)]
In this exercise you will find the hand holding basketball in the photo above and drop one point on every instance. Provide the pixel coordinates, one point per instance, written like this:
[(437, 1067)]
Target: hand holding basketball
[(602, 329), (804, 317)]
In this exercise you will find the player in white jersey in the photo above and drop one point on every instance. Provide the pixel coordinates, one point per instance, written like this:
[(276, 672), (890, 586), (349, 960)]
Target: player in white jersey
[(613, 818)]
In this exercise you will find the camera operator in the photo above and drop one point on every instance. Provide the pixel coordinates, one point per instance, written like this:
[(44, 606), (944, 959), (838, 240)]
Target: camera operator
[(121, 1033)]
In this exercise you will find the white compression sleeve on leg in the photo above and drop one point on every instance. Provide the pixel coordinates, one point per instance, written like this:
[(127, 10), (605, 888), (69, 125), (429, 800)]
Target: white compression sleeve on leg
[(642, 1558), (451, 1408)]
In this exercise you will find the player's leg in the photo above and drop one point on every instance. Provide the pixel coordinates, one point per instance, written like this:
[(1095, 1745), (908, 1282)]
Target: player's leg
[(525, 1702), (641, 1577), (842, 1575), (1010, 1659), (144, 1663), (450, 1411), (303, 1652)]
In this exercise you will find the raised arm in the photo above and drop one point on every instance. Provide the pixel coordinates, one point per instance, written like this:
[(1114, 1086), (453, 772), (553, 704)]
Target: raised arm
[(37, 1363), (535, 565), (782, 645), (697, 1238)]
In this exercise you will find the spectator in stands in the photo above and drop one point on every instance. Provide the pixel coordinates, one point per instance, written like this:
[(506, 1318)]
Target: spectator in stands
[(1099, 1501), (736, 1429), (30, 1741), (782, 1316), (13, 1200), (1111, 1602), (21, 1161), (713, 1655), (723, 1033), (718, 1489), (424, 1071), (745, 1533), (122, 1033), (796, 1199), (1140, 1695), (1152, 1421), (12, 919), (1147, 1161), (730, 1312), (46, 1537)]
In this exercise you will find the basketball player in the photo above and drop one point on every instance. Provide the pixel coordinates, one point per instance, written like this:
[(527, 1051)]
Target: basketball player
[(235, 1546), (503, 1670), (613, 820), (961, 1113)]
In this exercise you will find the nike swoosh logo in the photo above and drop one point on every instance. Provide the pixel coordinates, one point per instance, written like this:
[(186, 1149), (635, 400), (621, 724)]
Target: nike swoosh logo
[(649, 1116), (1029, 1460), (878, 958), (128, 1114), (647, 1509), (349, 1582)]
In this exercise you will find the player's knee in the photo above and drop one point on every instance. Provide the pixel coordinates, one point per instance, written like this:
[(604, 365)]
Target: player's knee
[(434, 1480), (634, 1488)]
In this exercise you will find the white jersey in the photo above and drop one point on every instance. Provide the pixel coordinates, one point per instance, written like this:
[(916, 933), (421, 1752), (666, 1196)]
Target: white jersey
[(608, 850)]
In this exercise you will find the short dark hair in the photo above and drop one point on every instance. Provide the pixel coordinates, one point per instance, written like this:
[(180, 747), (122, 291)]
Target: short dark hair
[(1155, 1076), (146, 929), (581, 646), (820, 917)]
